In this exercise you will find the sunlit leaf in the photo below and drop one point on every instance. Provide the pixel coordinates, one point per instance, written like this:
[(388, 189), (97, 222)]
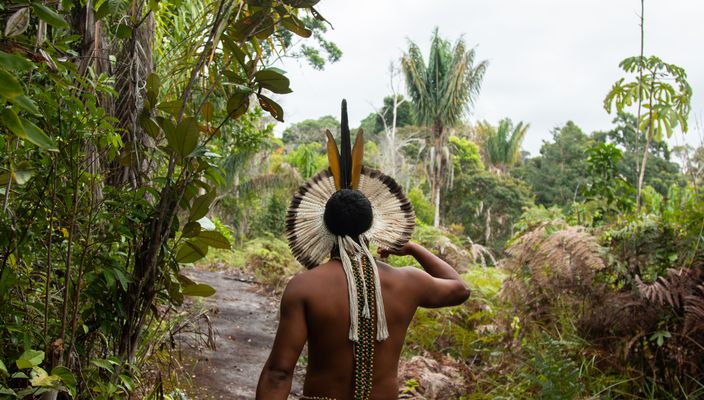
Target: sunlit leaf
[(30, 359), (3, 369), (41, 378), (22, 176), (17, 23)]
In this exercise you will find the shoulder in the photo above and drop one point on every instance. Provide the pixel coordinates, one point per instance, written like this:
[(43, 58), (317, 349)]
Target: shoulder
[(304, 282), (403, 275)]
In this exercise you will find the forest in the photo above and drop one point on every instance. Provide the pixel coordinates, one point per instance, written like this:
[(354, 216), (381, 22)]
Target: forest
[(138, 144)]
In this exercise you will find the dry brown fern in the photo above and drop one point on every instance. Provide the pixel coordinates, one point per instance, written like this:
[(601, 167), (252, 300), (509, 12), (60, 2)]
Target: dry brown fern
[(552, 265), (670, 289), (694, 310), (565, 257)]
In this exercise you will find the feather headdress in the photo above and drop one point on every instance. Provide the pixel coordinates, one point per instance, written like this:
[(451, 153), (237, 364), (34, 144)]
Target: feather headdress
[(392, 225)]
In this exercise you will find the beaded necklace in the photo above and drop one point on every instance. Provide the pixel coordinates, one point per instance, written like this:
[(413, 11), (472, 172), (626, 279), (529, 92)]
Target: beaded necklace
[(364, 348)]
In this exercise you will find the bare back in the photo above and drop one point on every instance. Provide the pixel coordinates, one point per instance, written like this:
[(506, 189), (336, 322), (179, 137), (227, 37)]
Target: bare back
[(330, 364), (315, 309)]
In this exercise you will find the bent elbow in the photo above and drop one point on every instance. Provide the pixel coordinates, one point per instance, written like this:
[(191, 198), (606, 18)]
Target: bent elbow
[(462, 293)]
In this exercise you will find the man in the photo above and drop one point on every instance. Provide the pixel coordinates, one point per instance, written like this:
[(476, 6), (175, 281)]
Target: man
[(352, 310)]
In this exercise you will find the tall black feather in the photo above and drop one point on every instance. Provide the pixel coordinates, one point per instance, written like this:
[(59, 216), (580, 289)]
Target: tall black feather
[(345, 149)]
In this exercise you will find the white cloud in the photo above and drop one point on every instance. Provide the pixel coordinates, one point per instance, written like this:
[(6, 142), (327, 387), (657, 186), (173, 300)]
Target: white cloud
[(550, 60)]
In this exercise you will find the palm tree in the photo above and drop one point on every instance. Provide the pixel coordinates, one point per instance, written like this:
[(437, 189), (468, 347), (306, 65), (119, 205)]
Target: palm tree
[(442, 90), (502, 145)]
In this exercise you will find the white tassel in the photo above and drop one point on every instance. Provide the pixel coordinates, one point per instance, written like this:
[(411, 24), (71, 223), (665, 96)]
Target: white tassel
[(382, 330), (351, 290), (356, 251)]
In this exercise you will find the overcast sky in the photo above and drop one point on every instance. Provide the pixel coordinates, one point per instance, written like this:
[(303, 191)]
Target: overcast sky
[(550, 61)]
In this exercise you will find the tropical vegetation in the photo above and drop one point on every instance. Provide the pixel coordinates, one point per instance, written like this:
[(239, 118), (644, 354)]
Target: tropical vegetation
[(137, 139)]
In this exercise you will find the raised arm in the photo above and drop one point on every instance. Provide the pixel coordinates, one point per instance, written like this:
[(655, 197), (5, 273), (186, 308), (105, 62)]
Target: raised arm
[(277, 374), (440, 285)]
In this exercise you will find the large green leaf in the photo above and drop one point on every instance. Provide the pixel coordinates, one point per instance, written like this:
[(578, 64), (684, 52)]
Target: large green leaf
[(41, 378), (30, 359), (104, 364), (273, 80), (150, 127), (10, 119), (17, 23), (191, 251), (214, 239), (124, 31), (50, 16), (238, 104), (200, 206), (199, 290), (37, 136), (184, 139), (191, 229), (13, 61), (3, 369), (153, 87), (67, 378), (26, 104), (9, 87), (172, 107)]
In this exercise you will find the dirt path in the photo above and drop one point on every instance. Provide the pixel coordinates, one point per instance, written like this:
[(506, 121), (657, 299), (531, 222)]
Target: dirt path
[(244, 318)]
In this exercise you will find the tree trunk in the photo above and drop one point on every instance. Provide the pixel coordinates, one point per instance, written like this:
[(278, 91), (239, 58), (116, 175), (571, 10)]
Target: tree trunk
[(437, 175), (648, 139), (135, 63)]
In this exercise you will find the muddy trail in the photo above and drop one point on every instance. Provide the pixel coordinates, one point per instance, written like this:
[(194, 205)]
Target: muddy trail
[(243, 317)]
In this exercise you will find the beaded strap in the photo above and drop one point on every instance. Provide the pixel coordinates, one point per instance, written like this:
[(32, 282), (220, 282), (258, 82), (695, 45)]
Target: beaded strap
[(364, 348), (316, 398)]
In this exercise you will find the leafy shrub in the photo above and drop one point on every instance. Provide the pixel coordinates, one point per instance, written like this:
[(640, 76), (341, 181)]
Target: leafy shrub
[(421, 205)]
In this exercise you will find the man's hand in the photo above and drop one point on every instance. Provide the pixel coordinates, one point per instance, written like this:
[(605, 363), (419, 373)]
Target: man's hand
[(440, 285), (403, 251)]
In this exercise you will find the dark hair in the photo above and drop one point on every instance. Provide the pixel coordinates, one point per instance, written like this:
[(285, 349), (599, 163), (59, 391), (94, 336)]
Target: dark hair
[(348, 212)]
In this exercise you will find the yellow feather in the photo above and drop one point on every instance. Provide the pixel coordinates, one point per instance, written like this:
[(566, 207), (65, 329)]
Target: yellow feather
[(357, 158), (334, 159)]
